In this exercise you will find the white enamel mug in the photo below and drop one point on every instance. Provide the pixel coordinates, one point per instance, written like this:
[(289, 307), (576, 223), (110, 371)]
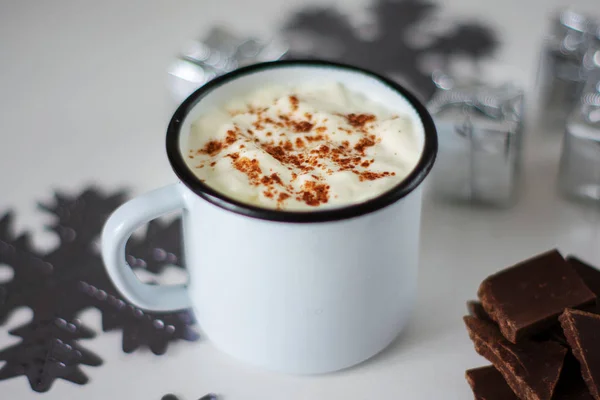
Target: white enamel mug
[(297, 292)]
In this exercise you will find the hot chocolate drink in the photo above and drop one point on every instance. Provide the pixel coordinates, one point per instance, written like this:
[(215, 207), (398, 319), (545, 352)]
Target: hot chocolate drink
[(303, 147)]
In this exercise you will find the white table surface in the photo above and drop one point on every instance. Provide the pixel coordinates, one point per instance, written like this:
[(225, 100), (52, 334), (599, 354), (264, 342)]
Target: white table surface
[(83, 99)]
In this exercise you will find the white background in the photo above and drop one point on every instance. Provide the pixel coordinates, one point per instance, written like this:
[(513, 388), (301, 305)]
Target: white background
[(83, 99)]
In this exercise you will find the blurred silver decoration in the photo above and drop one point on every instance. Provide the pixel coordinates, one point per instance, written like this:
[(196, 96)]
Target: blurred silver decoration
[(480, 137), (591, 58), (579, 175), (221, 51), (566, 61)]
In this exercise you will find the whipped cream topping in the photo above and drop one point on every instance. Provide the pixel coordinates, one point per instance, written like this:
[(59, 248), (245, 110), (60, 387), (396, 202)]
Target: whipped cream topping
[(303, 147)]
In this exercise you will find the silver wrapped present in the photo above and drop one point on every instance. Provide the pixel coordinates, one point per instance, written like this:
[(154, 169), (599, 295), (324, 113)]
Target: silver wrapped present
[(562, 71), (221, 51), (480, 138), (579, 176)]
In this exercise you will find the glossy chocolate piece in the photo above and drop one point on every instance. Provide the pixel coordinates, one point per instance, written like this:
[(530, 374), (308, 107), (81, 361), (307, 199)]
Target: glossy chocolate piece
[(531, 369), (582, 330), (527, 298), (489, 384)]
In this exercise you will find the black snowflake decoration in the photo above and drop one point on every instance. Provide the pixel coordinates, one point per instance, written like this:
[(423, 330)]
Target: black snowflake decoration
[(60, 284), (391, 49)]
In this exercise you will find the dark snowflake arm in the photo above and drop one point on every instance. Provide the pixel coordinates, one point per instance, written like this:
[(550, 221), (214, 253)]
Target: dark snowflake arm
[(395, 19), (469, 39), (30, 270), (327, 22), (48, 351), (140, 328), (79, 219)]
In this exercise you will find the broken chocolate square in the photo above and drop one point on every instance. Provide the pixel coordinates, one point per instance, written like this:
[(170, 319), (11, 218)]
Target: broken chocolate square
[(489, 384), (582, 330), (530, 368), (554, 333), (527, 298)]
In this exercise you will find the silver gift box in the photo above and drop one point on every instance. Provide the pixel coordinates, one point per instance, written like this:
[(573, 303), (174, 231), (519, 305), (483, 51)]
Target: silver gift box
[(579, 176), (221, 51), (564, 66), (480, 137)]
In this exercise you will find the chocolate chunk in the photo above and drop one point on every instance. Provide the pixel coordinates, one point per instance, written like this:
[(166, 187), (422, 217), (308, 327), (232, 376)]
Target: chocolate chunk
[(582, 330), (476, 310), (530, 368), (554, 333), (571, 386), (589, 274), (488, 384), (527, 298)]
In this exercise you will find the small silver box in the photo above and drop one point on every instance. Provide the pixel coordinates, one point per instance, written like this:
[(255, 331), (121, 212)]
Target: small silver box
[(579, 176), (480, 138)]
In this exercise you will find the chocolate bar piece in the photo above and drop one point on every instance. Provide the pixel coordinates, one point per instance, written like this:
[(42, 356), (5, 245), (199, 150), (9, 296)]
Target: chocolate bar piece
[(527, 298), (488, 384), (582, 330), (531, 369), (554, 333), (476, 310), (571, 385), (589, 274)]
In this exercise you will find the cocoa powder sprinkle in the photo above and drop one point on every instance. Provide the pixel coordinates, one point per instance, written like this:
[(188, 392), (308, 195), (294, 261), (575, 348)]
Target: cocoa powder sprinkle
[(359, 120), (233, 156), (211, 148), (314, 194), (283, 196), (231, 138), (363, 144), (294, 102), (302, 126), (250, 167)]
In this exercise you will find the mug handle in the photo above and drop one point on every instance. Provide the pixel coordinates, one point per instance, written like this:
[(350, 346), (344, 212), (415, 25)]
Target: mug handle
[(117, 230)]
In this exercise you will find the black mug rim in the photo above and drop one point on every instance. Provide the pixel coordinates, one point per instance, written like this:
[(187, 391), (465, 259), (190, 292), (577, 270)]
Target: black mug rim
[(402, 189)]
